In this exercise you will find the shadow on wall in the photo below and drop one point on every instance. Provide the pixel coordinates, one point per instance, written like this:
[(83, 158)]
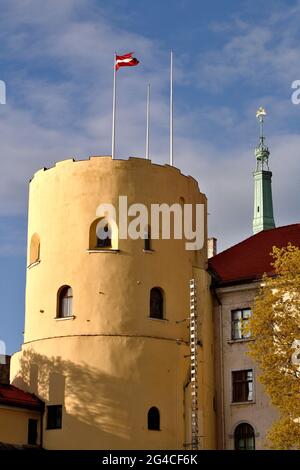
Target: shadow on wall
[(89, 396)]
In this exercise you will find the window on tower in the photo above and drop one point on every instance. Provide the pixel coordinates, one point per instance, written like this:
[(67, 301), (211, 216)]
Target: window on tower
[(153, 419), (103, 235), (34, 251), (65, 302), (156, 303)]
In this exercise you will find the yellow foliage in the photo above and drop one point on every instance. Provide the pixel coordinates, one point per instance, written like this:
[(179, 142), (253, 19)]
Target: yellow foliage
[(275, 326)]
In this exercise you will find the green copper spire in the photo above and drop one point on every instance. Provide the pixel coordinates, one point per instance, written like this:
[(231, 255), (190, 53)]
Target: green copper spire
[(263, 218)]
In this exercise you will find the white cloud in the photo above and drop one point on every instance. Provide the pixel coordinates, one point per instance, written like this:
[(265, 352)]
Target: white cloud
[(265, 52)]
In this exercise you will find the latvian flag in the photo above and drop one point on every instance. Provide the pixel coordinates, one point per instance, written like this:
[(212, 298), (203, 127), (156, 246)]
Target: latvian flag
[(125, 60)]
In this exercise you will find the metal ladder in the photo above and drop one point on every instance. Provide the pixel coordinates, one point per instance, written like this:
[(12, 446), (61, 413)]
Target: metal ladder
[(193, 364)]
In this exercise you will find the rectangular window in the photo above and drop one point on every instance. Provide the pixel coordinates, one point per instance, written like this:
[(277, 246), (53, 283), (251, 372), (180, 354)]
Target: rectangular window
[(239, 319), (32, 431), (242, 385), (54, 417)]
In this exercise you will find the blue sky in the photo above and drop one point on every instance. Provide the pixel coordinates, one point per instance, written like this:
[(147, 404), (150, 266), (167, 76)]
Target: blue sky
[(229, 58)]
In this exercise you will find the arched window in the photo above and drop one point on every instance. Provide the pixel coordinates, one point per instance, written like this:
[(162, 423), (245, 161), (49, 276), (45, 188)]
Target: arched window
[(156, 303), (244, 438), (34, 252), (65, 302), (103, 236), (153, 419), (147, 238)]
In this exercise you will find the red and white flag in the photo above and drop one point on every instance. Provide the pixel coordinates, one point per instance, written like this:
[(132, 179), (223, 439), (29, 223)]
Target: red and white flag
[(126, 60)]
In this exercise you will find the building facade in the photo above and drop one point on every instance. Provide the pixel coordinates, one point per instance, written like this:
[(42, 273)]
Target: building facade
[(245, 413)]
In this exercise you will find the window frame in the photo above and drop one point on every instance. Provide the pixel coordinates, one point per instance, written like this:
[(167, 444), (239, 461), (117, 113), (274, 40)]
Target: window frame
[(162, 293), (245, 437), (109, 244), (57, 419), (233, 322), (60, 305), (244, 386)]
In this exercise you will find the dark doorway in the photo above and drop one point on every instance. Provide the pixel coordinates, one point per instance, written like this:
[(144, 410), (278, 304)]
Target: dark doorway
[(32, 431)]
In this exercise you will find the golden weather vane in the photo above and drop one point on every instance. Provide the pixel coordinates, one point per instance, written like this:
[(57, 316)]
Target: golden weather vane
[(261, 152)]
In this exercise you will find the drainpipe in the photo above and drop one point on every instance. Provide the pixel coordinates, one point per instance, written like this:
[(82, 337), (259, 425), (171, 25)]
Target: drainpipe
[(221, 366)]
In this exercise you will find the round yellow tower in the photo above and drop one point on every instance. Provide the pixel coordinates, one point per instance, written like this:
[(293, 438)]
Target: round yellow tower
[(106, 336)]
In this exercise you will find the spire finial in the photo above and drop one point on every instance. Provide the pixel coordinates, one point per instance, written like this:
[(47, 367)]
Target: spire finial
[(261, 152)]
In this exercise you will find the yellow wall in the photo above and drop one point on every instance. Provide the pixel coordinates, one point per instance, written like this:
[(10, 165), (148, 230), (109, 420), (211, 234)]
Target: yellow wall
[(111, 363), (206, 379), (14, 425)]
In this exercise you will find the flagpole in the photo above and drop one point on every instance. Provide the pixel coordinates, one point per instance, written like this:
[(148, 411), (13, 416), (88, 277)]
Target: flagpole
[(148, 122), (113, 138), (171, 109)]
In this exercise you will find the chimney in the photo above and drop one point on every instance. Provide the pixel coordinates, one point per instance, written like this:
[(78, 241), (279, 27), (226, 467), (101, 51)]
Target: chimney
[(211, 247), (4, 369)]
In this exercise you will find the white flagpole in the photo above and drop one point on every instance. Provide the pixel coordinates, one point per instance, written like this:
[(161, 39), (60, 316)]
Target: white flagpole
[(171, 110), (148, 122), (113, 138)]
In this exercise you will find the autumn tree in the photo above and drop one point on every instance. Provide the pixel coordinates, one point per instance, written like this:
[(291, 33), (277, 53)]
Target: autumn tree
[(275, 327)]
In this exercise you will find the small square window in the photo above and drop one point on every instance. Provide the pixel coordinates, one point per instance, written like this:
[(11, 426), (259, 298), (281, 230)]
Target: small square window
[(54, 417)]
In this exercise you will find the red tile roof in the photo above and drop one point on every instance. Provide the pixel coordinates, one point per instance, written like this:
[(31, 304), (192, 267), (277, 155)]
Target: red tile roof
[(13, 396), (250, 259)]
